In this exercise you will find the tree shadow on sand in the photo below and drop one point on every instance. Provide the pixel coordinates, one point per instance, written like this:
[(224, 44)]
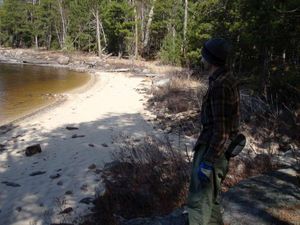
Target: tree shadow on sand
[(61, 154)]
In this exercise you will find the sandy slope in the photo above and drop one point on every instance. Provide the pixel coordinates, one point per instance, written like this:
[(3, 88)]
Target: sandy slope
[(110, 106)]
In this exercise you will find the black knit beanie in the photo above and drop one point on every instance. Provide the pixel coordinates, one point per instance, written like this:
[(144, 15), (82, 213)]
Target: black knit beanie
[(215, 51)]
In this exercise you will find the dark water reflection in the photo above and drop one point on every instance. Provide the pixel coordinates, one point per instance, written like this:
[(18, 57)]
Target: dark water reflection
[(24, 88)]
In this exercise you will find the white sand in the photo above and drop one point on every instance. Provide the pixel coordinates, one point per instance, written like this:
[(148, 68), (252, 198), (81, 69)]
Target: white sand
[(109, 107)]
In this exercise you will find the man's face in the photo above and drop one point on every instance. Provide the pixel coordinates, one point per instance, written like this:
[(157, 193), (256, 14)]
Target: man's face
[(206, 65)]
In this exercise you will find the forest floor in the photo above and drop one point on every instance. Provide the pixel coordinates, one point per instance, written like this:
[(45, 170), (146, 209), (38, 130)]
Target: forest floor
[(127, 102)]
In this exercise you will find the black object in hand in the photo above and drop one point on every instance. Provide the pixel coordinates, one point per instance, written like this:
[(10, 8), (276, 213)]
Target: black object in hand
[(236, 146)]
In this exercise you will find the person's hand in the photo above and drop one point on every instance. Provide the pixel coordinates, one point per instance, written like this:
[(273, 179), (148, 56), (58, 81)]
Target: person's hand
[(204, 171)]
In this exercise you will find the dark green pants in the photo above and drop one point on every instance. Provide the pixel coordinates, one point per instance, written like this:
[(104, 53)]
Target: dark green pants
[(203, 200)]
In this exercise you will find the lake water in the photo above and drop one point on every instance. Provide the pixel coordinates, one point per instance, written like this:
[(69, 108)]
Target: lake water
[(24, 88)]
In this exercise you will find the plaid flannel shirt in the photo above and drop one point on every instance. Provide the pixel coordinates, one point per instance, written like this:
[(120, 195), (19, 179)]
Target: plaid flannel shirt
[(220, 114)]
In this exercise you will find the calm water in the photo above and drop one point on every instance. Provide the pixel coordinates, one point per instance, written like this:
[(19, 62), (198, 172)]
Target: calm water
[(24, 88)]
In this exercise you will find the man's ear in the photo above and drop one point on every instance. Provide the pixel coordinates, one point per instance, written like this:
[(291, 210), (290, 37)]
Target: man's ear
[(203, 61), (206, 65)]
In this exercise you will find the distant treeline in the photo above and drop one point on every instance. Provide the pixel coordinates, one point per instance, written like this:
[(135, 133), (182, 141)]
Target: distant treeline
[(265, 34)]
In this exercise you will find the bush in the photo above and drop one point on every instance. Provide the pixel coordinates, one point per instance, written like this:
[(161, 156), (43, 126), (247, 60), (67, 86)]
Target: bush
[(193, 58), (170, 52), (69, 46), (145, 179)]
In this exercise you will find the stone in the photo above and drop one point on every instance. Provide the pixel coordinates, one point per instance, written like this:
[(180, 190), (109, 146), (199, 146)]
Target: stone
[(68, 193), (292, 154), (272, 198), (77, 136), (11, 184), (72, 128), (92, 166), (60, 183), (87, 200), (104, 145), (37, 173), (91, 145), (66, 211), (161, 83), (19, 209), (146, 71), (33, 149), (55, 176), (63, 60)]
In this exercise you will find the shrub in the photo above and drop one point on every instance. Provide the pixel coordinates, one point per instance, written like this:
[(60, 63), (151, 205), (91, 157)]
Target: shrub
[(170, 52), (145, 179)]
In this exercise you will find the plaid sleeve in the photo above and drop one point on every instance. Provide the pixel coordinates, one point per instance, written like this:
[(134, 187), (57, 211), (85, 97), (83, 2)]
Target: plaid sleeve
[(220, 104)]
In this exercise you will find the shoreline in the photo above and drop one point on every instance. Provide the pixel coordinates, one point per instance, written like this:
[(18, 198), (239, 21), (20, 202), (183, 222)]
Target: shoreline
[(106, 107), (89, 64), (58, 101)]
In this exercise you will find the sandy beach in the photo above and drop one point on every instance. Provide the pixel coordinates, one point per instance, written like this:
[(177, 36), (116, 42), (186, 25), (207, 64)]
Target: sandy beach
[(34, 190)]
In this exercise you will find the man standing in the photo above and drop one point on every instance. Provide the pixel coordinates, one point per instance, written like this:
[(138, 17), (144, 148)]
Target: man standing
[(220, 119)]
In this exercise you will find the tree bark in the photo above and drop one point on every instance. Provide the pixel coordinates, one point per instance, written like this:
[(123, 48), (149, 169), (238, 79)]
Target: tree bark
[(63, 23), (149, 22), (98, 35), (104, 36), (185, 26), (136, 31), (142, 21), (36, 42)]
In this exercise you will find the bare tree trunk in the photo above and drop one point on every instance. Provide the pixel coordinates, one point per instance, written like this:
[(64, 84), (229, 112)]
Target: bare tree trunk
[(36, 42), (89, 44), (173, 37), (143, 21), (104, 36), (150, 18), (136, 31), (185, 26), (32, 22), (49, 41), (63, 22), (98, 35)]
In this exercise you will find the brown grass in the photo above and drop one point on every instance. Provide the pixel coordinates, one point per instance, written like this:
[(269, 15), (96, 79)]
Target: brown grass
[(147, 178), (287, 213), (152, 66), (177, 105), (243, 167)]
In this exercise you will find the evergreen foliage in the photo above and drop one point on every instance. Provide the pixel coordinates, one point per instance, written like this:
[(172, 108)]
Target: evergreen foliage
[(265, 34)]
